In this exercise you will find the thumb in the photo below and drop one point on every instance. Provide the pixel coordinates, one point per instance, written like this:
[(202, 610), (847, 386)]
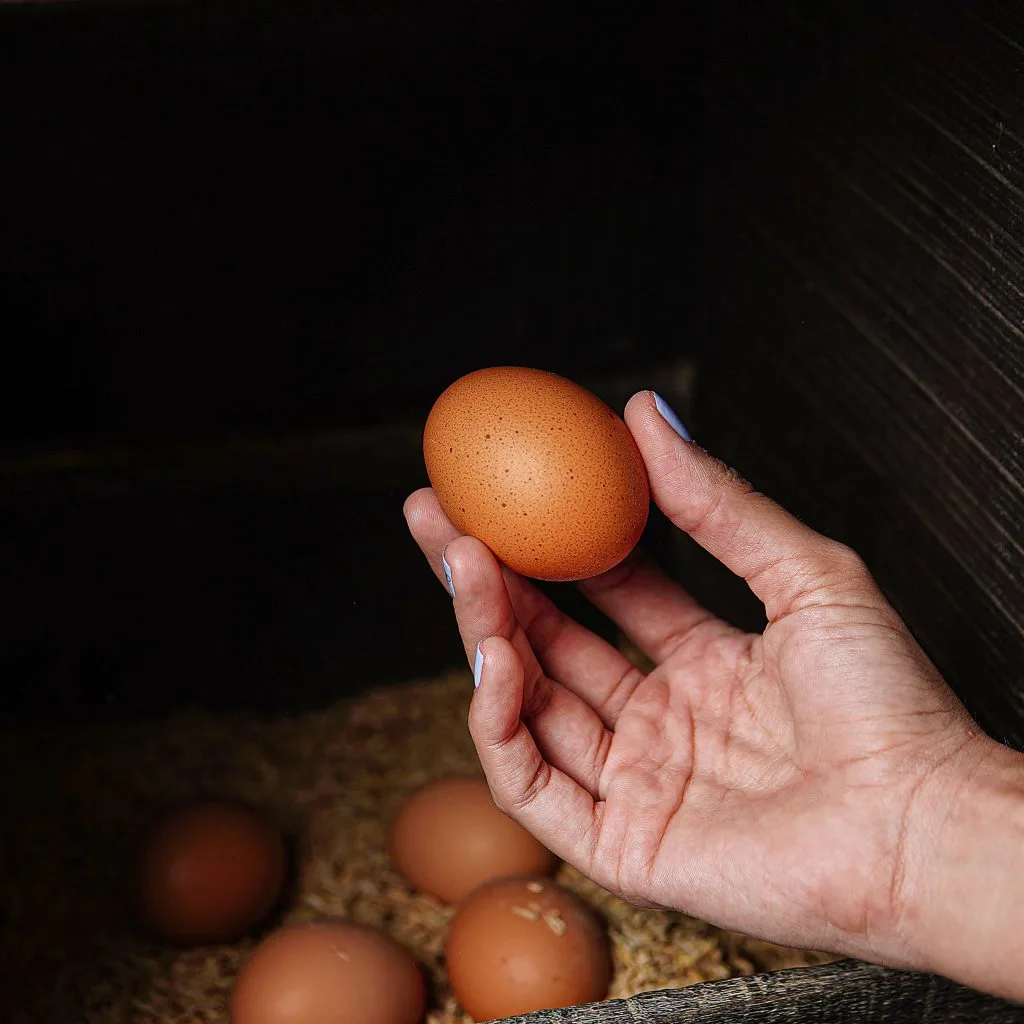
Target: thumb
[(785, 563)]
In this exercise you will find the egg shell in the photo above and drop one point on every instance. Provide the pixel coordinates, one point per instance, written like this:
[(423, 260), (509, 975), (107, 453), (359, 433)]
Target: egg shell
[(517, 945), (328, 972), (209, 872), (449, 837), (539, 469)]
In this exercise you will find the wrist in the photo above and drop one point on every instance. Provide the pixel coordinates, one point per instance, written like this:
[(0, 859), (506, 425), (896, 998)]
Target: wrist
[(961, 896)]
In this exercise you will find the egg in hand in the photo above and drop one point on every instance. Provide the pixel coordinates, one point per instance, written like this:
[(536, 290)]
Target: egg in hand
[(541, 470)]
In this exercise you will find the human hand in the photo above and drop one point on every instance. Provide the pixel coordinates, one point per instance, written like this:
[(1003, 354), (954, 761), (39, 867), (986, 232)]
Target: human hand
[(784, 785)]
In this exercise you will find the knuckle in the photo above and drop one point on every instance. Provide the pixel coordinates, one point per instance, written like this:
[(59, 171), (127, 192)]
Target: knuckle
[(544, 628), (499, 801), (727, 484), (707, 512), (521, 800), (538, 700), (632, 889), (616, 577), (847, 563), (844, 571), (609, 707), (599, 751), (732, 479), (716, 494), (697, 636)]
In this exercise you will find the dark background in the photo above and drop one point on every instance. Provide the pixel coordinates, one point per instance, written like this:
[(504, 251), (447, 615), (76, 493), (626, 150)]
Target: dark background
[(287, 216), (242, 248)]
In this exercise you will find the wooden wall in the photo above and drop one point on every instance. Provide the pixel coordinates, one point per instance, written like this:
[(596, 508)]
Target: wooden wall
[(865, 327)]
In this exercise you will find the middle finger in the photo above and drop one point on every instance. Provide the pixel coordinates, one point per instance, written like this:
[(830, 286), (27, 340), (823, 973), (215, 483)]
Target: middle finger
[(567, 731), (588, 666)]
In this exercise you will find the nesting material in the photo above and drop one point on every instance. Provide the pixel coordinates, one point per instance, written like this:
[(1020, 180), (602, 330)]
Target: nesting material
[(74, 802)]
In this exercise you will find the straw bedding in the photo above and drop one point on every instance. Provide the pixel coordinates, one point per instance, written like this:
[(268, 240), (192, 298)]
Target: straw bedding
[(74, 801)]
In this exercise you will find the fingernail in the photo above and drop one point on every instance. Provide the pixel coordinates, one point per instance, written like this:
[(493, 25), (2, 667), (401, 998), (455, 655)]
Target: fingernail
[(447, 573), (478, 666), (669, 416)]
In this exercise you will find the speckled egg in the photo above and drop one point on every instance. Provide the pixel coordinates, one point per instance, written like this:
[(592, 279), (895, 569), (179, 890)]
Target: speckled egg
[(539, 469), (518, 945)]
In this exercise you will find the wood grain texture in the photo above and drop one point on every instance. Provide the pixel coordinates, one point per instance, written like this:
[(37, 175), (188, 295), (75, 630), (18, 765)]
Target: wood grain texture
[(848, 991), (867, 362)]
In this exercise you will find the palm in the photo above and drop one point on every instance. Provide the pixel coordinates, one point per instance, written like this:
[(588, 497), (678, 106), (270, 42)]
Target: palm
[(744, 773), (747, 763)]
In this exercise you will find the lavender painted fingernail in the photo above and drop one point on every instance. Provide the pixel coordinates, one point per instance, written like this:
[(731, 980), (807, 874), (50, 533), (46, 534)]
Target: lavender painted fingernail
[(447, 573), (478, 666), (669, 416)]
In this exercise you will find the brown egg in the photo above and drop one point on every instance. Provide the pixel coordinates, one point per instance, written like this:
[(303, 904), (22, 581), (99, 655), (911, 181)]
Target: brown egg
[(539, 469), (522, 944), (449, 837), (209, 872), (328, 972)]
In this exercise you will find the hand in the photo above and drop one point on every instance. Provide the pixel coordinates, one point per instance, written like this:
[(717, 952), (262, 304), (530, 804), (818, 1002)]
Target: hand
[(773, 784)]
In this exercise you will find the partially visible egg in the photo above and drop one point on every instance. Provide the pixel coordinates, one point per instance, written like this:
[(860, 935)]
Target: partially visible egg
[(539, 469), (449, 837), (328, 972), (209, 872), (517, 945)]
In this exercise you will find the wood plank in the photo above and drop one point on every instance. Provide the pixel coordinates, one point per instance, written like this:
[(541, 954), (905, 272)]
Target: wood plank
[(847, 991), (867, 311)]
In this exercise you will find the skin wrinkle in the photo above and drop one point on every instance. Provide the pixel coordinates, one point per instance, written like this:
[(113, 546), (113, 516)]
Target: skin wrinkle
[(678, 760), (609, 708), (675, 641), (539, 694), (747, 738), (705, 519), (589, 763), (528, 794), (759, 735), (543, 628), (742, 694), (683, 791), (707, 637), (727, 739), (593, 837), (805, 588), (794, 717), (617, 576), (599, 760), (898, 878), (722, 527)]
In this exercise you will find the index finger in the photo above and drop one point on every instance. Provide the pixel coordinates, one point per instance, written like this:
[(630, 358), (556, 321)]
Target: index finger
[(581, 661), (546, 801)]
